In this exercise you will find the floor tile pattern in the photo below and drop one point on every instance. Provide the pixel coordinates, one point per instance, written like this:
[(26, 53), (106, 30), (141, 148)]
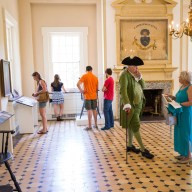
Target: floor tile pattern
[(70, 159)]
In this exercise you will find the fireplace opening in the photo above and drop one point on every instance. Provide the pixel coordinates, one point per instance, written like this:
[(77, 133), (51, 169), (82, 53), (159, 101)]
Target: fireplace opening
[(153, 109)]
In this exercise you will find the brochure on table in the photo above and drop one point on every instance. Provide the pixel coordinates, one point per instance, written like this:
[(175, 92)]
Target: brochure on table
[(4, 116), (170, 101), (26, 101)]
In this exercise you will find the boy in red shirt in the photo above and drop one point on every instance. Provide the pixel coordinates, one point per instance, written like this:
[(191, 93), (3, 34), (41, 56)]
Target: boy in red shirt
[(108, 90)]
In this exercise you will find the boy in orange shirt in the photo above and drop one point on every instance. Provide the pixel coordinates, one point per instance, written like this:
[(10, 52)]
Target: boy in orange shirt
[(89, 90)]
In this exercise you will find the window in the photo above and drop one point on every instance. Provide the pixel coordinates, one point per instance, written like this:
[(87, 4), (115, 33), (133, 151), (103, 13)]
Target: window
[(12, 51), (65, 53), (65, 57)]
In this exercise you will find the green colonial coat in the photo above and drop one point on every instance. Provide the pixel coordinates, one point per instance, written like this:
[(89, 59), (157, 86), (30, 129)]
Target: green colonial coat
[(127, 94)]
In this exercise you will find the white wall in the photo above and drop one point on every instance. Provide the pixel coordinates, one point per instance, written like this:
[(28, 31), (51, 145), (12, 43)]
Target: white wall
[(10, 7), (111, 59), (189, 54), (110, 35), (40, 13), (176, 52), (181, 50)]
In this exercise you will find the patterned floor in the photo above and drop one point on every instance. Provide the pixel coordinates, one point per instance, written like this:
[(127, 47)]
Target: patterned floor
[(70, 159)]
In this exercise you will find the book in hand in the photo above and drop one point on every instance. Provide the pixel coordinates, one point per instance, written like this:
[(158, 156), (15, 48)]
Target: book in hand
[(168, 100)]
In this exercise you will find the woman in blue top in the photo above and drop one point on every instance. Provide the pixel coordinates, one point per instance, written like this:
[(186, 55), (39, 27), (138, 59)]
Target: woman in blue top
[(183, 130), (58, 96)]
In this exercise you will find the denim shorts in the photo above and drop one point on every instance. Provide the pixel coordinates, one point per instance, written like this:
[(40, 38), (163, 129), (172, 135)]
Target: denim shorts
[(90, 104), (42, 104)]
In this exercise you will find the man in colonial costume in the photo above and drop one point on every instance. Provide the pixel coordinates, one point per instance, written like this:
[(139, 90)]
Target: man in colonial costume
[(132, 102)]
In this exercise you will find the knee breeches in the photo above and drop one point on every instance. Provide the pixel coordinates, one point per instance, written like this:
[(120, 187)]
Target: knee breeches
[(134, 120)]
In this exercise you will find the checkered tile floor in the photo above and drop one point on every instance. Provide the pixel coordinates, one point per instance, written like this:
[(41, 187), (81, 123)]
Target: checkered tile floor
[(70, 159)]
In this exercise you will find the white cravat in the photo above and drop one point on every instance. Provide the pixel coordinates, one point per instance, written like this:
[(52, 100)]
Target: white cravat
[(136, 78)]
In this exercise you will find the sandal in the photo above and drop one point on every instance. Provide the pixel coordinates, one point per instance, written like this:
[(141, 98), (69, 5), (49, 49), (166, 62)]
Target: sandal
[(88, 128), (179, 157), (42, 132), (184, 160), (59, 118)]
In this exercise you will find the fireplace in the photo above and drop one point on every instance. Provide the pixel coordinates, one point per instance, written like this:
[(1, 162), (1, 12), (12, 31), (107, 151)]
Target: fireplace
[(154, 109), (153, 101)]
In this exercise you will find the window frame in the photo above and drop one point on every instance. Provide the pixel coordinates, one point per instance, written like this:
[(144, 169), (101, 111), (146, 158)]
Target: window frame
[(47, 32)]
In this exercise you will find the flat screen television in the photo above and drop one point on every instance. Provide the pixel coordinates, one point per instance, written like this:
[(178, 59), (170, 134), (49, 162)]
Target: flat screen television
[(5, 78)]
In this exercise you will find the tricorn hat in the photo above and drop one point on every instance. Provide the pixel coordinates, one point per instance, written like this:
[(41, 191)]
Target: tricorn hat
[(135, 61)]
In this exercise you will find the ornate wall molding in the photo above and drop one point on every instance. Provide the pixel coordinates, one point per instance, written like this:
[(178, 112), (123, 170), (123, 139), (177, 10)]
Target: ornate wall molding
[(154, 15)]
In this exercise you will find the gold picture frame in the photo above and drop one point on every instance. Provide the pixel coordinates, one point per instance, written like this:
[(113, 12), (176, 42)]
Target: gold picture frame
[(146, 38)]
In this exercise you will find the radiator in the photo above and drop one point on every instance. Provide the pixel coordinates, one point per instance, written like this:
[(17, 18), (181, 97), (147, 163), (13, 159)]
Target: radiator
[(72, 107)]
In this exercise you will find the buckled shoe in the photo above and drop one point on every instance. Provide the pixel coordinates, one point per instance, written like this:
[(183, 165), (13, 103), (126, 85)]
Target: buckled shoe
[(147, 154), (133, 149)]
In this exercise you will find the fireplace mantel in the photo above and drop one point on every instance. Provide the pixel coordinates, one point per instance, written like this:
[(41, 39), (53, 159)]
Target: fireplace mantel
[(118, 69), (151, 73)]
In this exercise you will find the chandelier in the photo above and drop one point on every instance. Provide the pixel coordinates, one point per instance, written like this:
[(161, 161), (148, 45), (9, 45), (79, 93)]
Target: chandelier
[(184, 28)]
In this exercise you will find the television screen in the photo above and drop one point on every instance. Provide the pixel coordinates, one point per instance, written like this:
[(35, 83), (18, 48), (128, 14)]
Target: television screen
[(5, 77)]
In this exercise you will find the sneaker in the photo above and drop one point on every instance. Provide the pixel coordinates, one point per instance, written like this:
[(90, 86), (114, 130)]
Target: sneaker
[(133, 149), (105, 128), (147, 154)]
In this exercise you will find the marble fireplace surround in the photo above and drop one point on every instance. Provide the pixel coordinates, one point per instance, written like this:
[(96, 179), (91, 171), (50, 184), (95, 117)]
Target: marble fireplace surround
[(165, 85)]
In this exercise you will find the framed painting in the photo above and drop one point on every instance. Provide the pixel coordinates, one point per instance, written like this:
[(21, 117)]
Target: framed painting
[(147, 39), (5, 78)]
